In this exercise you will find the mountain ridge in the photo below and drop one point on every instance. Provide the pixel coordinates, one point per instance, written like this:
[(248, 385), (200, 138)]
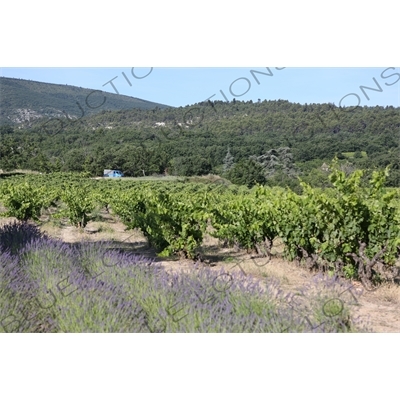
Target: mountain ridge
[(24, 101)]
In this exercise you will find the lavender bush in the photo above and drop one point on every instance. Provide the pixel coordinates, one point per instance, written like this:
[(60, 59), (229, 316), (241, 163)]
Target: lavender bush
[(17, 295), (50, 286), (16, 235)]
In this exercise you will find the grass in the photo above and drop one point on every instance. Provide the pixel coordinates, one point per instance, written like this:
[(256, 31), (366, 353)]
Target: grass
[(390, 293), (350, 154), (105, 228)]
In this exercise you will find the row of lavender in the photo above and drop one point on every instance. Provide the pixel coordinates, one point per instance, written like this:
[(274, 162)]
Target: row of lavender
[(50, 286)]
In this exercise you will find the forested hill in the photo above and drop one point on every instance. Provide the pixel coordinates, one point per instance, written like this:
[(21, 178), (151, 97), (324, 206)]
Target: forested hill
[(23, 101), (267, 141)]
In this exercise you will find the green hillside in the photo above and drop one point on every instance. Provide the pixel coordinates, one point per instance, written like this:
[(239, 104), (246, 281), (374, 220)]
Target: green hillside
[(23, 101), (272, 142)]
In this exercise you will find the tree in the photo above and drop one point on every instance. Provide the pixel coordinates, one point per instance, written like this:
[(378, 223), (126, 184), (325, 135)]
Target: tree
[(247, 172), (228, 161), (358, 154), (6, 130), (275, 160), (74, 161), (40, 163)]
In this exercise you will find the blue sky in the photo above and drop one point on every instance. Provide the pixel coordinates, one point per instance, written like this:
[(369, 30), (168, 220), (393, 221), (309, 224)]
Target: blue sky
[(185, 86)]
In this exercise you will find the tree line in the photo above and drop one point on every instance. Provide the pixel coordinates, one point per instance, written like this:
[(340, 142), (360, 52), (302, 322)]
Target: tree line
[(199, 139)]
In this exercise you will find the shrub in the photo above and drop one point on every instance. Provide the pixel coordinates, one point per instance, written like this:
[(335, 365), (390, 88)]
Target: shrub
[(14, 236)]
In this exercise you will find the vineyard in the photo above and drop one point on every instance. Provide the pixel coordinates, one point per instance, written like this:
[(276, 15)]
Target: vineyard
[(352, 230)]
